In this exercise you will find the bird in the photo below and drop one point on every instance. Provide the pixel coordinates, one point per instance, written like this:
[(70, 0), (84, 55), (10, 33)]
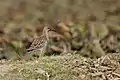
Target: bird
[(39, 44)]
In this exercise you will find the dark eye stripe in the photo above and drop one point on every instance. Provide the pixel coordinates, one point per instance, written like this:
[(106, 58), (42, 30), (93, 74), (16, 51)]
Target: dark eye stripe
[(51, 30), (48, 28)]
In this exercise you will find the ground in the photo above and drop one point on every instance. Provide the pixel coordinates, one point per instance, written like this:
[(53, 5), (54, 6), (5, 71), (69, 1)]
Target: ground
[(67, 67)]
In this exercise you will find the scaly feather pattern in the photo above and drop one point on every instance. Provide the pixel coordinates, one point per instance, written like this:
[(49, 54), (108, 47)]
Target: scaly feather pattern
[(39, 44)]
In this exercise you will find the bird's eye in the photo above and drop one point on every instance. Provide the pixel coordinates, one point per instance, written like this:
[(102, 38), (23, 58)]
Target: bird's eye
[(49, 29)]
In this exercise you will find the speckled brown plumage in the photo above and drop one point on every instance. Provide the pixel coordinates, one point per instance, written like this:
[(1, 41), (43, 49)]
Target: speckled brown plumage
[(39, 44)]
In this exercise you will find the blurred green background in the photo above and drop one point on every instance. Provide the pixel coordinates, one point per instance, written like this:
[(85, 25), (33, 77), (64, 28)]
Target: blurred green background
[(90, 27)]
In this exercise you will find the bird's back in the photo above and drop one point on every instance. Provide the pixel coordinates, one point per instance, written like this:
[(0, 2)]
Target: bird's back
[(38, 44)]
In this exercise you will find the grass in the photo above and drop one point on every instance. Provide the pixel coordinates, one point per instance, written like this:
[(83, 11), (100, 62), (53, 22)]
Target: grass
[(65, 67)]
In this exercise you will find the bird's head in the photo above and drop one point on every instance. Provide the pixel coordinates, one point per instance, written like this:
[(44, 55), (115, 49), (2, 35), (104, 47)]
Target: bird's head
[(46, 31)]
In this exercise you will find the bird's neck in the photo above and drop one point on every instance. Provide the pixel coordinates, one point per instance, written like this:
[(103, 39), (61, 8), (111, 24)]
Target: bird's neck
[(46, 35)]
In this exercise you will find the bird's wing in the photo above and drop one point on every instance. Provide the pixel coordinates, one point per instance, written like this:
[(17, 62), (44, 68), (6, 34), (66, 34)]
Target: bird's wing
[(37, 43)]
